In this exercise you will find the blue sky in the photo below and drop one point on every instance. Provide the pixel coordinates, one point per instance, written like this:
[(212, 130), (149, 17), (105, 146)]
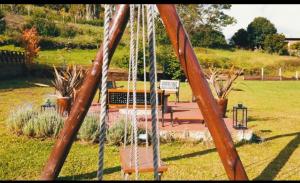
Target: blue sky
[(286, 18)]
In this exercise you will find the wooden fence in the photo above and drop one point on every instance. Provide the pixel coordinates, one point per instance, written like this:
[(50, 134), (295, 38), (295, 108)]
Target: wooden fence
[(12, 64), (12, 57), (263, 76)]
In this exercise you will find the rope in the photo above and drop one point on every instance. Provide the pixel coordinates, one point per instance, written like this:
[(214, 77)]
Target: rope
[(145, 79), (153, 97), (103, 115)]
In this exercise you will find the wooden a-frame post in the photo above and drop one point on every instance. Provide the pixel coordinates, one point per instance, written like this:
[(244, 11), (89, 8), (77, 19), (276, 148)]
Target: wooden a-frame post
[(189, 63)]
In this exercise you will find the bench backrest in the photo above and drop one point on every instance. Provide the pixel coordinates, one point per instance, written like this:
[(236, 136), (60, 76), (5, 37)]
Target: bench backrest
[(169, 85), (118, 98)]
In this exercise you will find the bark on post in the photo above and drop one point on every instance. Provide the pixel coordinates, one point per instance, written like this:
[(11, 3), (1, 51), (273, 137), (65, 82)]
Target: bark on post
[(200, 88), (84, 99)]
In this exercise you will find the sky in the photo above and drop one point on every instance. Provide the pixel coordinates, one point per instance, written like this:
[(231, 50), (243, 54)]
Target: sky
[(284, 17)]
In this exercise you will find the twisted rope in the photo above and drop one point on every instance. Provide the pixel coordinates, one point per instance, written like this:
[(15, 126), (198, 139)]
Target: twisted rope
[(145, 79), (153, 90), (103, 115)]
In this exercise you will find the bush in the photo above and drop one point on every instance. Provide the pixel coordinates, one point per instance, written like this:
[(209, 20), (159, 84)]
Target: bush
[(68, 31), (45, 124), (116, 133), (95, 22), (274, 43), (2, 23), (18, 118), (89, 131), (170, 63), (45, 27)]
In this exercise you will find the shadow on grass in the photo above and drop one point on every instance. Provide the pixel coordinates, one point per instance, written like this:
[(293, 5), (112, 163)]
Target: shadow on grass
[(268, 173), (274, 167), (91, 175), (27, 82)]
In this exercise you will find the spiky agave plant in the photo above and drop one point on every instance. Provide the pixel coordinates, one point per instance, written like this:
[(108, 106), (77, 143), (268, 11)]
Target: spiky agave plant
[(66, 82)]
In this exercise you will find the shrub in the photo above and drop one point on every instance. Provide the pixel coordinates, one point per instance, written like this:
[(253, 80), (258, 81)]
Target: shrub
[(274, 43), (30, 42), (68, 31), (45, 27), (45, 124), (18, 118), (116, 133), (2, 23), (89, 131)]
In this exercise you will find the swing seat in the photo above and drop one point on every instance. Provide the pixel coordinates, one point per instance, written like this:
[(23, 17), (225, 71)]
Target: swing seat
[(145, 157)]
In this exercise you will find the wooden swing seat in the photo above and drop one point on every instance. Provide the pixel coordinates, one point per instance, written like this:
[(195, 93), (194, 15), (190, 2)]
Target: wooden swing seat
[(145, 156)]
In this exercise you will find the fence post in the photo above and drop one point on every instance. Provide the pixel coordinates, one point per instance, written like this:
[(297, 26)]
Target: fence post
[(280, 75), (296, 75), (262, 73)]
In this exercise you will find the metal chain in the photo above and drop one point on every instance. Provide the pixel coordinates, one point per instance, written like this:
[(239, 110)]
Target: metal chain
[(103, 115)]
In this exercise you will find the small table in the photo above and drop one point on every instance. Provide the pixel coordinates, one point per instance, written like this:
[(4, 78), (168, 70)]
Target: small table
[(49, 106)]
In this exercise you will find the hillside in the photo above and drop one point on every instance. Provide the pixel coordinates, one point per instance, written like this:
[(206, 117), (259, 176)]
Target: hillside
[(85, 42)]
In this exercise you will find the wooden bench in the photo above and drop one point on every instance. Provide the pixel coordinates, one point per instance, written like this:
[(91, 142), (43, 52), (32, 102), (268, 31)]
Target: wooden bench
[(117, 99), (170, 86)]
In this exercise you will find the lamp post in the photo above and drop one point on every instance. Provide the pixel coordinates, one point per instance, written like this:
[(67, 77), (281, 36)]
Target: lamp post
[(239, 116)]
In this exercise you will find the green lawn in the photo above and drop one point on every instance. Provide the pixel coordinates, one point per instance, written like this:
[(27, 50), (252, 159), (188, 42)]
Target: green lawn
[(273, 115)]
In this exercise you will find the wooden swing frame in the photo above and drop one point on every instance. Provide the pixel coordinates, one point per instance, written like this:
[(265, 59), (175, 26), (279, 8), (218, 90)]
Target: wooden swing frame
[(193, 72)]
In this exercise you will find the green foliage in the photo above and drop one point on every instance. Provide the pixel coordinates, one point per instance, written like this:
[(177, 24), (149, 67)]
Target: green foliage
[(116, 133), (45, 27), (208, 37), (258, 29), (295, 46), (275, 44), (240, 39), (95, 22), (2, 22), (68, 31), (45, 124), (89, 130), (197, 15), (170, 63), (18, 118)]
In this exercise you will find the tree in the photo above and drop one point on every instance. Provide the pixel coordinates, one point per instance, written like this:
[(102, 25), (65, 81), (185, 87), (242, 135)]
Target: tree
[(77, 11), (258, 29), (30, 42), (91, 11), (2, 22), (208, 37), (240, 39), (275, 43), (195, 15)]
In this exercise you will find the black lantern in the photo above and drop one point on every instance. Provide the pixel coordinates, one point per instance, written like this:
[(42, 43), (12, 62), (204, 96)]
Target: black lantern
[(239, 116)]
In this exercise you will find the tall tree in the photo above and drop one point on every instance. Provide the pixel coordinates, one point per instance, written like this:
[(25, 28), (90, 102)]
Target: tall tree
[(194, 16), (258, 29), (240, 39)]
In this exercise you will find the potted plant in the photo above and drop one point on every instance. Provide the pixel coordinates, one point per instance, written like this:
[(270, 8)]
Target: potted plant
[(66, 82), (222, 83)]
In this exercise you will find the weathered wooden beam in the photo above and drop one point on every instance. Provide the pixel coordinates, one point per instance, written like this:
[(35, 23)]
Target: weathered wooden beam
[(206, 102), (84, 99)]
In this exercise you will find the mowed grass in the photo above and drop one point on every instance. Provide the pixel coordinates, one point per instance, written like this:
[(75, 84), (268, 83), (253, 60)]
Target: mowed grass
[(273, 115)]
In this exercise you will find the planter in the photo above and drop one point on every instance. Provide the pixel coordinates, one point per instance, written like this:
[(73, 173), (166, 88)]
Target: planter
[(64, 105), (222, 103)]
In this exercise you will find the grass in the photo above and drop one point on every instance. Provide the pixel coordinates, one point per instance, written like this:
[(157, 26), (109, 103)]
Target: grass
[(248, 60), (273, 115)]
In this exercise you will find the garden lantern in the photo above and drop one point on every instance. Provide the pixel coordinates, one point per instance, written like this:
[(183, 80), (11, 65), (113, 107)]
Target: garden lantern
[(239, 116)]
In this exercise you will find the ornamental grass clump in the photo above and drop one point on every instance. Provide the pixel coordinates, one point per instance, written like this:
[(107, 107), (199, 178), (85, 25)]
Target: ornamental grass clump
[(46, 124), (19, 117), (89, 130)]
